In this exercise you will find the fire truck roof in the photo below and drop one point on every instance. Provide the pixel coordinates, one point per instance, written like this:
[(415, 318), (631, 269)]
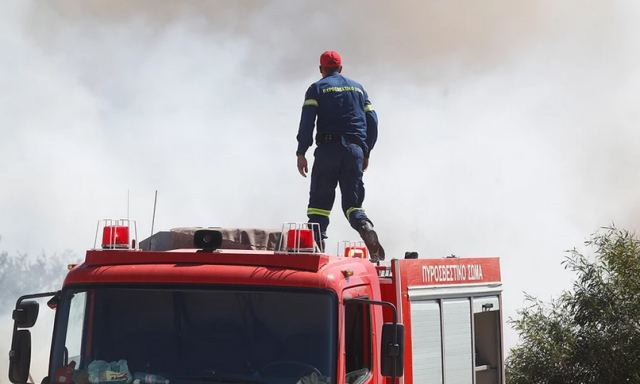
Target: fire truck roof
[(241, 267)]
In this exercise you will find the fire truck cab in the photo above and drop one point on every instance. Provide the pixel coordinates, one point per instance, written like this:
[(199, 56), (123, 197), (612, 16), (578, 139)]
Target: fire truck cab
[(206, 314)]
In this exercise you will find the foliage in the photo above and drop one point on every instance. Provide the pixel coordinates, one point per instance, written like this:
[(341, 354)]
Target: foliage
[(590, 334), (21, 274)]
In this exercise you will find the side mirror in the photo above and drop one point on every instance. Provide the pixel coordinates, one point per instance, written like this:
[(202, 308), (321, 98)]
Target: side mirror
[(392, 356), (26, 314), (20, 357)]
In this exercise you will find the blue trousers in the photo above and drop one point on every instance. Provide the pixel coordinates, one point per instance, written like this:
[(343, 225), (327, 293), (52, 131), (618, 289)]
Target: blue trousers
[(337, 163)]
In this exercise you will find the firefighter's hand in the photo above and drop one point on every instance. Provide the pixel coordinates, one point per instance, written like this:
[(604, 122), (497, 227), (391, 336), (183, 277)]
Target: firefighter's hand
[(303, 167), (365, 163)]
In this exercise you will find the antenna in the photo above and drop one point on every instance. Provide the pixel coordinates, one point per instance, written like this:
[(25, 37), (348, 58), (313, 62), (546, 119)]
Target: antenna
[(153, 218)]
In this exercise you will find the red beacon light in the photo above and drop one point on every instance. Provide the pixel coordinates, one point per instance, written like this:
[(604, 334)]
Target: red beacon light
[(356, 251), (116, 234), (298, 237)]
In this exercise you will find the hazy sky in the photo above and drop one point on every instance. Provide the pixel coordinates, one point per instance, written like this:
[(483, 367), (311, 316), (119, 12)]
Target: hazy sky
[(507, 127)]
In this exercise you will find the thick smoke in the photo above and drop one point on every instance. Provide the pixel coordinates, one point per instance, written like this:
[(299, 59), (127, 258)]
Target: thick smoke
[(507, 127)]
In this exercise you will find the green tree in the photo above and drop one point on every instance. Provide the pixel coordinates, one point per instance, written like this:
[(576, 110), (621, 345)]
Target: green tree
[(591, 333), (21, 274)]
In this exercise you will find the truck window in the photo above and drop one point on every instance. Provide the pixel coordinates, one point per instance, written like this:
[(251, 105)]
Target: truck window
[(357, 331), (75, 329), (198, 335), (486, 319)]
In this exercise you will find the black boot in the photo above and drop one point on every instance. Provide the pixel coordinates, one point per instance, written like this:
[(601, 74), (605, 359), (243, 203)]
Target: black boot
[(371, 241)]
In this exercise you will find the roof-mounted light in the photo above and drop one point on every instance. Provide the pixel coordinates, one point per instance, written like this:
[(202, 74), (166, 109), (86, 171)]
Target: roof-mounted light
[(355, 249), (116, 234), (300, 237)]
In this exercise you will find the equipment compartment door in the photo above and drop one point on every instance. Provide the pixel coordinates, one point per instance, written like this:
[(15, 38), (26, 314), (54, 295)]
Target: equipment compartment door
[(427, 342), (488, 346), (457, 341)]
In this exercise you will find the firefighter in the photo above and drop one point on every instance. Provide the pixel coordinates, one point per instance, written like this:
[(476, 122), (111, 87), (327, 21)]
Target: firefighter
[(347, 130)]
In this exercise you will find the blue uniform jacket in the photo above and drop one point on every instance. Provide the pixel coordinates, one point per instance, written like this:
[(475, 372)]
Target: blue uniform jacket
[(341, 106)]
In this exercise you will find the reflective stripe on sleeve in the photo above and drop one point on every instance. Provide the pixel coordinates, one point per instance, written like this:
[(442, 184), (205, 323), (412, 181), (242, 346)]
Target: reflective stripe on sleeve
[(368, 108), (342, 89), (351, 210), (318, 211), (312, 102)]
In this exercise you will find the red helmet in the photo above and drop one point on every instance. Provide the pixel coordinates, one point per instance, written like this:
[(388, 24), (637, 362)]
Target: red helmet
[(330, 59)]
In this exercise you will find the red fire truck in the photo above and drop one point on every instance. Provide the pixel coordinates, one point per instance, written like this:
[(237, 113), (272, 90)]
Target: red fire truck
[(251, 306)]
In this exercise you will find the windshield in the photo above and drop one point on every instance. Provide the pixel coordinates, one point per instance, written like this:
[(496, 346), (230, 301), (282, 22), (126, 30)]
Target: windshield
[(167, 335)]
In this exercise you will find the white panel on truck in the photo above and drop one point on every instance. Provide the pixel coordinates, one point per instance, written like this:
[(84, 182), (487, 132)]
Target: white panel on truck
[(458, 363), (426, 342)]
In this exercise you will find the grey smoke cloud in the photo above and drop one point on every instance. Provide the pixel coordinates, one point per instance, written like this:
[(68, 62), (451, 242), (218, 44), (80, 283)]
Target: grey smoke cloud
[(508, 128)]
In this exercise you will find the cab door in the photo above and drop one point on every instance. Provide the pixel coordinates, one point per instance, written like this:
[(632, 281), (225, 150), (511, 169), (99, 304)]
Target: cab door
[(358, 336)]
